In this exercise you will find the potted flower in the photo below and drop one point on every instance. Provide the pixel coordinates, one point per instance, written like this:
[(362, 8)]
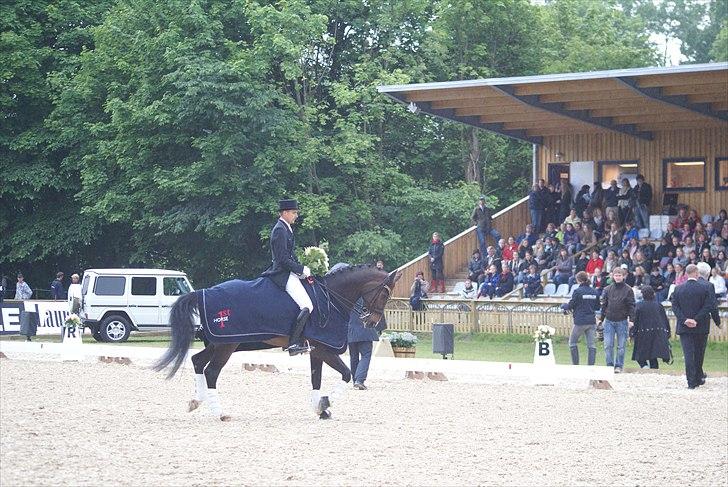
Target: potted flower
[(403, 344), (544, 333), (72, 321)]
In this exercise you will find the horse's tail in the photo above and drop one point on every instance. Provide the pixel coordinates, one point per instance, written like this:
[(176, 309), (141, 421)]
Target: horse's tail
[(183, 331)]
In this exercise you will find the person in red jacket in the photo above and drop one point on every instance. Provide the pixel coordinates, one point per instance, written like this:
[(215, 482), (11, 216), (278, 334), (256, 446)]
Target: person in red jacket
[(595, 262)]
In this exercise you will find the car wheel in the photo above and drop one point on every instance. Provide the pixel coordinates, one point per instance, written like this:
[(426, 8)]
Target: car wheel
[(96, 333), (114, 329)]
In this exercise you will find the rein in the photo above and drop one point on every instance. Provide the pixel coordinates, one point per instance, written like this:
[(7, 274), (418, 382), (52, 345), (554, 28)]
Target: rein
[(362, 311)]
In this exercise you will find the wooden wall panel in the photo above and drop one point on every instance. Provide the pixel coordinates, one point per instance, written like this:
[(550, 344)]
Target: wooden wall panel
[(702, 143)]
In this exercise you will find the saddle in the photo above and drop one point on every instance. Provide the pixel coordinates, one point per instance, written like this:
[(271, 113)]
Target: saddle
[(253, 311)]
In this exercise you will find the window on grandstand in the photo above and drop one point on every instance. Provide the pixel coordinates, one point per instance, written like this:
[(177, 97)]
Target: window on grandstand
[(618, 170), (683, 174), (721, 173)]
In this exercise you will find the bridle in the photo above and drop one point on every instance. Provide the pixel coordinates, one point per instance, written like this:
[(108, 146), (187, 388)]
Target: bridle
[(362, 310)]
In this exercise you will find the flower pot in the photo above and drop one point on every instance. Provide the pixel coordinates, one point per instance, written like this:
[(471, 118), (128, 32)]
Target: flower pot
[(404, 352)]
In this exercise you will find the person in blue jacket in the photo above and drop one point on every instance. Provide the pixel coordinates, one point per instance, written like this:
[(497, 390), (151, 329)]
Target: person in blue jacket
[(584, 304), (360, 346)]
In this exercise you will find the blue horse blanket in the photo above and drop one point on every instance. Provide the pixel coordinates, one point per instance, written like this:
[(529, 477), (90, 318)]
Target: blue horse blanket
[(252, 311)]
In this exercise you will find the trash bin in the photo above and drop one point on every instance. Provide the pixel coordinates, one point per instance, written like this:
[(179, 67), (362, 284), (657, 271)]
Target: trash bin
[(443, 339), (29, 321)]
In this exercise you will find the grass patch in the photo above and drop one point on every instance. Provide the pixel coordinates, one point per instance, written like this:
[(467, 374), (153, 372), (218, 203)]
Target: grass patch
[(503, 347)]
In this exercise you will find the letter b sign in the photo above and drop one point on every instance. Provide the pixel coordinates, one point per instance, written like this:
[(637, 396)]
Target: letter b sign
[(544, 349)]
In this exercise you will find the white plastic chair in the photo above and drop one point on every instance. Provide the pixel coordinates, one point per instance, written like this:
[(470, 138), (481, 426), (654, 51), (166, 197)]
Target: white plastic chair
[(549, 289), (573, 288), (562, 290), (459, 286), (656, 234)]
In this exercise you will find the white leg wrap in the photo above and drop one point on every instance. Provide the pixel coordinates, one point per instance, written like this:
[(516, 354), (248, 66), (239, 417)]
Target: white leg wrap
[(338, 392), (213, 402), (315, 397), (200, 387)]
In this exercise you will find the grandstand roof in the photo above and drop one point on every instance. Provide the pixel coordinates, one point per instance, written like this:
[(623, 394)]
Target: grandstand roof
[(638, 102)]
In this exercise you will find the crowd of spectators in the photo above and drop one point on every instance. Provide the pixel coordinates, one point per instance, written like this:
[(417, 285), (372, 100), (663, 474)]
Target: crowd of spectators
[(595, 231)]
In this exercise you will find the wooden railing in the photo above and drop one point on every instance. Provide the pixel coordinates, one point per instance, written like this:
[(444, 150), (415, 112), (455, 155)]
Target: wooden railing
[(510, 221), (497, 316)]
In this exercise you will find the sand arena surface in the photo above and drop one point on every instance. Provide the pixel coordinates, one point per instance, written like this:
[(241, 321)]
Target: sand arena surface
[(109, 424)]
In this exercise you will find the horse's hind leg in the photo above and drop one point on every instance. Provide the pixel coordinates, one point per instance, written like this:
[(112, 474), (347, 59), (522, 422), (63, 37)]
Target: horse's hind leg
[(334, 361), (199, 361), (319, 404), (322, 403), (220, 355)]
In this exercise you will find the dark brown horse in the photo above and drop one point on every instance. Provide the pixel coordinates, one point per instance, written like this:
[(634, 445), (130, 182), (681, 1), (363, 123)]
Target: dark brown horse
[(346, 286)]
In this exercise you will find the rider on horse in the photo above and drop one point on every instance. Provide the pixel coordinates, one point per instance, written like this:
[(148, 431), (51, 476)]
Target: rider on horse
[(286, 271)]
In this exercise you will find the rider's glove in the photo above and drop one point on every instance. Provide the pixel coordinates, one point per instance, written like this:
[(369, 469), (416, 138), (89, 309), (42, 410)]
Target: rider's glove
[(306, 272)]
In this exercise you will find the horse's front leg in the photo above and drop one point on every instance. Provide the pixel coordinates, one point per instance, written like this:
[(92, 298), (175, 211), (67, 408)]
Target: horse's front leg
[(335, 362), (319, 404)]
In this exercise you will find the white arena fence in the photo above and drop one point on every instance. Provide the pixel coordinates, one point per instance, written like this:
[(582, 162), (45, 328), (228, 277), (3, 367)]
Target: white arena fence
[(506, 316)]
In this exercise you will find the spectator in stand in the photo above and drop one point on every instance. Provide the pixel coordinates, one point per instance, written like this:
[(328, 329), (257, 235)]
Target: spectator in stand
[(529, 235), (571, 239), (491, 258), (437, 266), (671, 232), (657, 283), (693, 258), (693, 219), (536, 207), (595, 262), (57, 290), (681, 218), (664, 253), (614, 240), (630, 232), (598, 281), (562, 268), (581, 202), (618, 309), (707, 257), (510, 252), (644, 199), (717, 246), (596, 201), (688, 246), (550, 231), (611, 262), (720, 261), (718, 282), (418, 292), (587, 239), (379, 265), (611, 197), (532, 283), (523, 247), (702, 244), (668, 276), (632, 247), (627, 201), (22, 289), (680, 257), (720, 219), (651, 332), (582, 260), (541, 255), (552, 199), (724, 231), (469, 291), (584, 303), (490, 282), (628, 275), (564, 201), (483, 219), (505, 282), (648, 249), (573, 218), (680, 276), (560, 232), (524, 266), (475, 267), (500, 247), (640, 277), (625, 261), (692, 304), (598, 218), (639, 260)]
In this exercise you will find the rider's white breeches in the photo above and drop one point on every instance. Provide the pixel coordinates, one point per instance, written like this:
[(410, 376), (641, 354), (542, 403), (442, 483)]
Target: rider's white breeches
[(295, 289)]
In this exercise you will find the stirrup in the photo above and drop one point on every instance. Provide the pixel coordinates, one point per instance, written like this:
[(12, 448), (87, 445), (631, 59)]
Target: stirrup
[(298, 348)]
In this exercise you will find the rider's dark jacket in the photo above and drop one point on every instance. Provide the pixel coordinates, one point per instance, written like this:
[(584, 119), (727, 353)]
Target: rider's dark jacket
[(282, 244)]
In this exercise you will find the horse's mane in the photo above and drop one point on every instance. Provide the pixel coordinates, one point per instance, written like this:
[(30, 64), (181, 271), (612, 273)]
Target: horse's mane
[(343, 268)]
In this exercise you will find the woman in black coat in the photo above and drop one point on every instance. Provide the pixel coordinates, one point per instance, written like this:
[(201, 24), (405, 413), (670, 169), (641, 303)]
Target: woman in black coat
[(651, 331), (437, 266)]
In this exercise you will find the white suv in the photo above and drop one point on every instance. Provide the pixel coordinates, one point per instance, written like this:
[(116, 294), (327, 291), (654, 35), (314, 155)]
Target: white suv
[(116, 301)]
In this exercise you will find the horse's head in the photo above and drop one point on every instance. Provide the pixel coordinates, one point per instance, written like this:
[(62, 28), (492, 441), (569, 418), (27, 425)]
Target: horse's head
[(376, 294)]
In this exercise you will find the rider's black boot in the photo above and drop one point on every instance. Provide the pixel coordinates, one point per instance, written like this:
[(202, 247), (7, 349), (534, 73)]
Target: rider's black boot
[(296, 347)]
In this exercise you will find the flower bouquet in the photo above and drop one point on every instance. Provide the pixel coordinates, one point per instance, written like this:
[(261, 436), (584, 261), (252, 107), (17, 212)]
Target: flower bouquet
[(72, 320), (543, 333), (316, 259)]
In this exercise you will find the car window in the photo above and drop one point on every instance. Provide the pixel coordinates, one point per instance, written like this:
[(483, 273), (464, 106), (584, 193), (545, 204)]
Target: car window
[(175, 286), (110, 286), (84, 286), (143, 286)]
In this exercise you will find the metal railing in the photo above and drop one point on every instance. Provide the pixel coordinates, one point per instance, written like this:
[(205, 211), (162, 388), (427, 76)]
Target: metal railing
[(498, 316)]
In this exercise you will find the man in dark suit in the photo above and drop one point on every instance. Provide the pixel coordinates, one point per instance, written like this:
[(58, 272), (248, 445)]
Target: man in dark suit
[(286, 272), (491, 258), (704, 276), (644, 199), (692, 305), (360, 346)]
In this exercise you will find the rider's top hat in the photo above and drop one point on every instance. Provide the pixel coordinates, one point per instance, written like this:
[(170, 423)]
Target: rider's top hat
[(287, 205)]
